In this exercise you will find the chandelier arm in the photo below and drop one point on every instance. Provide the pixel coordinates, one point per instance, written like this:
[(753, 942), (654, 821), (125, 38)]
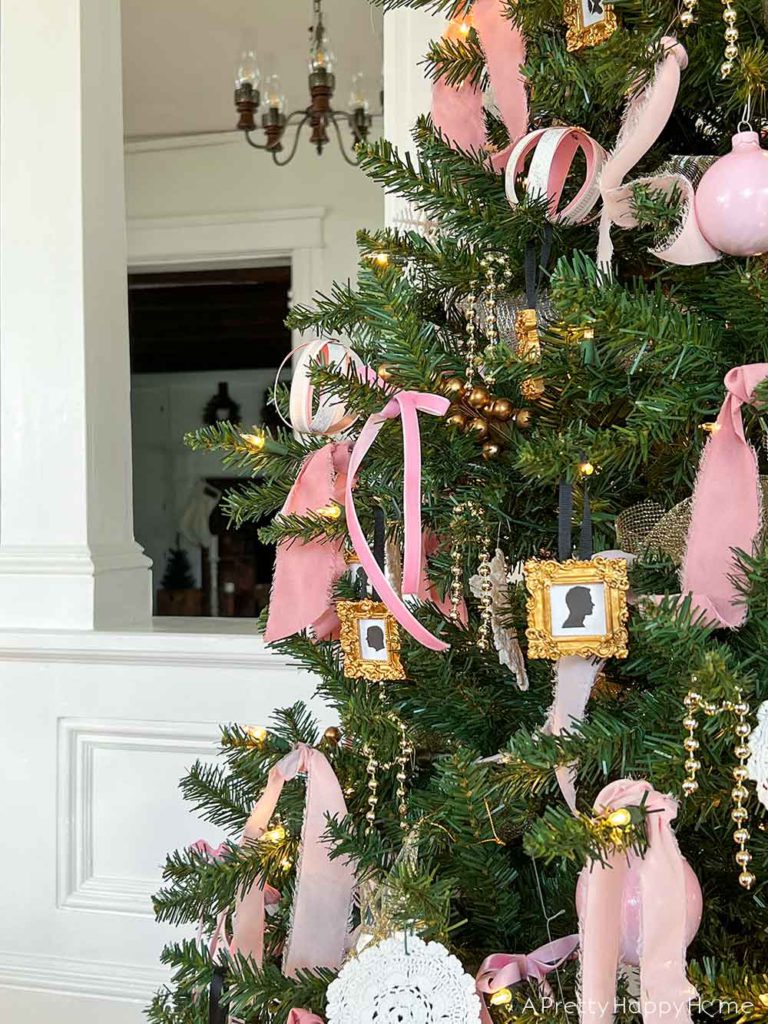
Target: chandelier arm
[(302, 114), (294, 147), (351, 161), (251, 143)]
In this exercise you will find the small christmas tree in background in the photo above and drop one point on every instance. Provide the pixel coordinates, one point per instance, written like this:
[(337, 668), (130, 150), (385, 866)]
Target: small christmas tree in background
[(525, 741), (178, 570)]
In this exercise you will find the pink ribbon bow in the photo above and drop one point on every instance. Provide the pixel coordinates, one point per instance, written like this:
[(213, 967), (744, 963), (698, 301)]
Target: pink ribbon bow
[(406, 405), (502, 970), (458, 111), (294, 605), (727, 507), (644, 120), (323, 896), (665, 990)]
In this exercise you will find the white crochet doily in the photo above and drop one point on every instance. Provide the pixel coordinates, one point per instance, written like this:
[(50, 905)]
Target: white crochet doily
[(757, 766), (403, 980)]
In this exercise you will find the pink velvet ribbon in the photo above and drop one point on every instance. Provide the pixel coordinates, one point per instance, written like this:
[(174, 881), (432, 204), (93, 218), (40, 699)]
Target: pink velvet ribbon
[(727, 508), (323, 895), (665, 992), (503, 970), (458, 111), (646, 116), (294, 603), (406, 405), (304, 1017)]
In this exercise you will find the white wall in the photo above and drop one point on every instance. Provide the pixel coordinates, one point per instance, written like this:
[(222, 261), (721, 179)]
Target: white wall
[(230, 177)]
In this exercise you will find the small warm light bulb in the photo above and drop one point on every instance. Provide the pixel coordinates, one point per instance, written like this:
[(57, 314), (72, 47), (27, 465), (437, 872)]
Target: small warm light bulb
[(381, 258), (501, 997), (254, 442), (588, 334), (248, 72), (619, 818), (586, 468), (358, 94), (329, 511), (275, 835), (274, 99), (710, 428), (286, 864)]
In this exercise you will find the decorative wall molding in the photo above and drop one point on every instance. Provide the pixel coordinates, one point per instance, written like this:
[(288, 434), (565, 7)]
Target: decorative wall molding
[(162, 143), (121, 982), (201, 643), (79, 887), (215, 240)]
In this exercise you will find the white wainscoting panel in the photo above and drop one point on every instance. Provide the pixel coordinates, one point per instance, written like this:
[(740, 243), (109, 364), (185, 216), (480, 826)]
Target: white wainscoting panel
[(114, 781), (96, 730)]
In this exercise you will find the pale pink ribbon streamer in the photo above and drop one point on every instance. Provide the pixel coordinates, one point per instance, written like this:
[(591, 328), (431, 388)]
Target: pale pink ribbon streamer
[(727, 508), (458, 111), (323, 894), (304, 1017), (294, 605), (503, 970), (574, 679), (645, 118), (406, 405), (665, 992)]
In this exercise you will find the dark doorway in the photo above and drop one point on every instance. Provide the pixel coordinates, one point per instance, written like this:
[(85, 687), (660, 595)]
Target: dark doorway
[(191, 333)]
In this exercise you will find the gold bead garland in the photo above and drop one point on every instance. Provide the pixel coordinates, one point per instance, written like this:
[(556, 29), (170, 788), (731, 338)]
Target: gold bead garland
[(731, 34), (471, 342), (486, 591), (475, 512), (406, 752), (373, 788), (694, 702)]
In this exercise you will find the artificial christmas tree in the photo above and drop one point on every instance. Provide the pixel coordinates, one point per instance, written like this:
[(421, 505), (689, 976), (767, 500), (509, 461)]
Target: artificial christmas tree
[(520, 371)]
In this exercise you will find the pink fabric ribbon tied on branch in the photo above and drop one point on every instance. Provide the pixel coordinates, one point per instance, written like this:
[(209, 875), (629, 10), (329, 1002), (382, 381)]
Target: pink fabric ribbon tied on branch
[(457, 111), (503, 970), (319, 930), (645, 118), (304, 1017), (406, 405), (727, 508), (665, 992), (295, 602)]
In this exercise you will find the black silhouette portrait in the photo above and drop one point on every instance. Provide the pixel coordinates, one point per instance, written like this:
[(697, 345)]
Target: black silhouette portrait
[(580, 606), (374, 638), (595, 6)]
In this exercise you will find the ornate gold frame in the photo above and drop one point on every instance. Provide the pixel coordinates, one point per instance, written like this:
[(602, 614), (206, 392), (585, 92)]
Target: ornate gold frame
[(541, 576), (580, 35), (355, 666)]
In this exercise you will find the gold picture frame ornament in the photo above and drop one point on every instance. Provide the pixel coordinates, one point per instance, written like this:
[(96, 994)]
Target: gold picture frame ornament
[(580, 34), (356, 665), (542, 576)]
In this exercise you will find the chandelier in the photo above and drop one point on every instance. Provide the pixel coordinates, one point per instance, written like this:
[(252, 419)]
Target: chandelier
[(319, 115)]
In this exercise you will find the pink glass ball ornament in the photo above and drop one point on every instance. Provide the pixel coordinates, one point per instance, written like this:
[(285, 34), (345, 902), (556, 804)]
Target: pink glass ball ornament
[(629, 950), (732, 199)]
